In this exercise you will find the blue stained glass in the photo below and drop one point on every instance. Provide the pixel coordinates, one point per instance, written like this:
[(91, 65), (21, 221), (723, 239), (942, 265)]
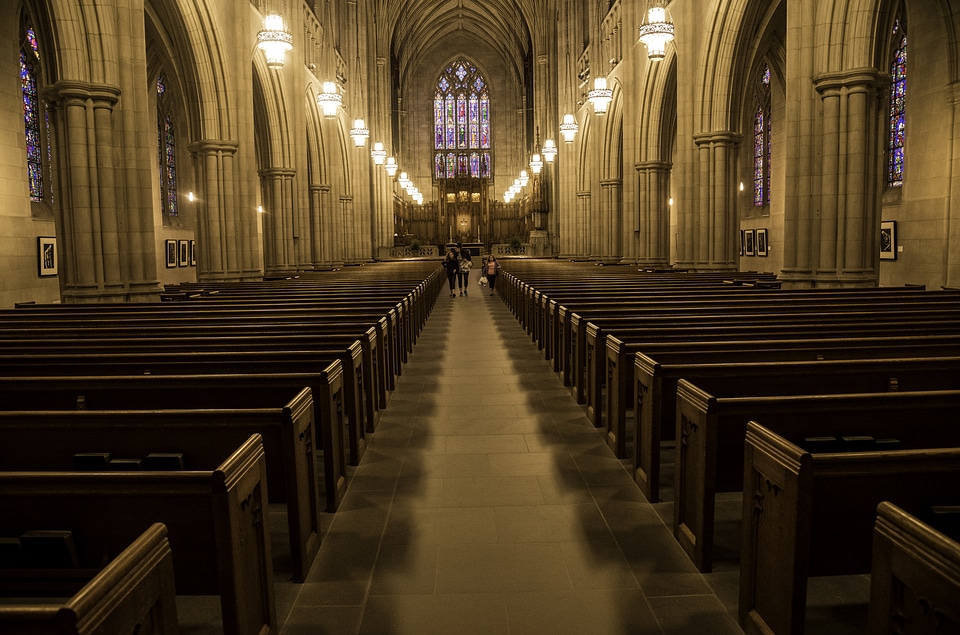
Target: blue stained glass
[(31, 127), (897, 122), (463, 122), (485, 164), (765, 76), (438, 167), (32, 39), (474, 165), (170, 165)]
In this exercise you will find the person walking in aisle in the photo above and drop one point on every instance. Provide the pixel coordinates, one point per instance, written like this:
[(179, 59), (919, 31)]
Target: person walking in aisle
[(490, 269), (466, 263), (452, 265)]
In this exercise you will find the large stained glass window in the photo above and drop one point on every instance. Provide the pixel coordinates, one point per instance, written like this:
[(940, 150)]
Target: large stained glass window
[(461, 115), (166, 142), (898, 121), (35, 122), (761, 140)]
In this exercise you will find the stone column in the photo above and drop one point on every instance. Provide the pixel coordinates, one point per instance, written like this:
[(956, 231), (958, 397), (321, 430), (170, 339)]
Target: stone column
[(280, 224), (226, 230), (713, 243), (951, 266), (653, 222), (849, 173), (612, 193)]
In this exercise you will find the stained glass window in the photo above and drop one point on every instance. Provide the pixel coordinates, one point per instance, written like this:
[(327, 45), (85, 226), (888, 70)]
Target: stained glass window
[(461, 112), (35, 124), (898, 120), (762, 140), (166, 142)]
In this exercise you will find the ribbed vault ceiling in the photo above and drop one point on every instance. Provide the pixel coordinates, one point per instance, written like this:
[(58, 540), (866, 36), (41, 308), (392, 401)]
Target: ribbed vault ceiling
[(421, 27)]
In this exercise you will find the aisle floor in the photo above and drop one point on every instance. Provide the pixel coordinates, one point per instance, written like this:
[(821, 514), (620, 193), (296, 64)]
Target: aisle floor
[(487, 503)]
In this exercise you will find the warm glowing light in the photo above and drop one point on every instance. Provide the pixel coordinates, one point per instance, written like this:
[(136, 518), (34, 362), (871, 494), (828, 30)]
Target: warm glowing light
[(549, 151), (600, 96), (656, 30), (274, 40), (569, 128), (378, 153), (329, 100), (536, 164), (391, 166), (359, 133)]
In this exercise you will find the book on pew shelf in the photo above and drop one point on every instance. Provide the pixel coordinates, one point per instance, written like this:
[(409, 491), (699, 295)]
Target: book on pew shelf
[(91, 461), (163, 461), (126, 465), (857, 443), (820, 445), (49, 549)]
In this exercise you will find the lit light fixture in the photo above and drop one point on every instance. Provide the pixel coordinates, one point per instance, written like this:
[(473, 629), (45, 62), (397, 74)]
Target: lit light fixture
[(600, 96), (378, 153), (403, 180), (190, 196), (329, 100), (274, 40), (569, 128), (536, 164), (391, 166), (524, 178), (549, 151), (359, 133), (656, 30)]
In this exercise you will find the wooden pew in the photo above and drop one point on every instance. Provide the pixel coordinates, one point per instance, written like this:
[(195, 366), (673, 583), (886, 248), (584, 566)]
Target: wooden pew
[(133, 593), (711, 429), (159, 392), (655, 391), (914, 576), (151, 362), (216, 518), (620, 363), (810, 514), (287, 433), (183, 335)]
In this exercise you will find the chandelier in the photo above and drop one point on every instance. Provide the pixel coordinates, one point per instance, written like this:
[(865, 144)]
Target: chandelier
[(391, 167), (656, 30), (378, 153), (359, 133), (549, 150), (569, 128), (600, 96), (329, 100), (274, 40), (536, 164)]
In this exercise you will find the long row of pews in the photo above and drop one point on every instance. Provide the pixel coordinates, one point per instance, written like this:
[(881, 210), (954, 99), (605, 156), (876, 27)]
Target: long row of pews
[(832, 411), (139, 441)]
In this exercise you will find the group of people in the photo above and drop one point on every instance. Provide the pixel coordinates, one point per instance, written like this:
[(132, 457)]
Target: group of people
[(458, 264)]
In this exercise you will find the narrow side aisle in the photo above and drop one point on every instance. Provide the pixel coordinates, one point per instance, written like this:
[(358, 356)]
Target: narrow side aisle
[(487, 503)]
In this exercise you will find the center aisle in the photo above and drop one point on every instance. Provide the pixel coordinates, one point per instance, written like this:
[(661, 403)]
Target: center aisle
[(487, 503)]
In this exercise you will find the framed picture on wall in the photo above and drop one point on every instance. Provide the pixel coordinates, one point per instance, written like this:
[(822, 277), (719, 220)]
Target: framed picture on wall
[(184, 258), (749, 242), (761, 242), (47, 256), (888, 240), (193, 253), (171, 246)]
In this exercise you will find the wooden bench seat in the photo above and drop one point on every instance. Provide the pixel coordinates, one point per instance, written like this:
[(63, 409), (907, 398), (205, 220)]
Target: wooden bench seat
[(133, 593), (215, 517), (656, 391), (711, 430), (914, 576), (286, 431), (811, 514), (192, 392), (260, 362), (619, 398)]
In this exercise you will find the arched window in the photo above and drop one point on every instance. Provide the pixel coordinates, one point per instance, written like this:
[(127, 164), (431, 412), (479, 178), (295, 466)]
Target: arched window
[(761, 140), (35, 119), (166, 141), (898, 97), (461, 115)]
